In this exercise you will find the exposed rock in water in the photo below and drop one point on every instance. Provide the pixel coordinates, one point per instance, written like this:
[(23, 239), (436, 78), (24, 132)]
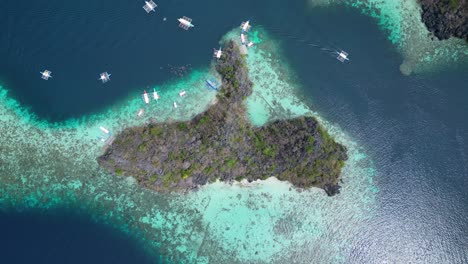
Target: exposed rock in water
[(221, 144), (446, 18)]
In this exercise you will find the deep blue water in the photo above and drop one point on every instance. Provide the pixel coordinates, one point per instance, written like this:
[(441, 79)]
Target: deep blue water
[(63, 236), (416, 130), (77, 41), (414, 127)]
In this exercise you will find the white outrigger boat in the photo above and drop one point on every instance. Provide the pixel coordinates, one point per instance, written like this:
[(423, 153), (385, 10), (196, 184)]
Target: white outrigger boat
[(342, 56), (140, 112), (185, 23), (145, 97), (108, 138), (175, 105), (182, 93), (217, 53), (46, 74), (245, 26), (104, 77), (243, 38), (149, 6), (155, 94), (105, 130)]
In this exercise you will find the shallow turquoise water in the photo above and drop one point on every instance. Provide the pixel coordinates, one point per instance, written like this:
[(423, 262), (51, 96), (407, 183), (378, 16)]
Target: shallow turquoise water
[(48, 165), (59, 167)]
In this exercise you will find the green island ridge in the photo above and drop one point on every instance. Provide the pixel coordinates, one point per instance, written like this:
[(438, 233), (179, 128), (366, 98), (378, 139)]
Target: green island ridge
[(446, 18), (220, 143)]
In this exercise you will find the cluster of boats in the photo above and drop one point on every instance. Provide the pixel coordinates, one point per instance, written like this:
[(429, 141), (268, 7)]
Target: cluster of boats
[(184, 23), (146, 99), (104, 77), (150, 6), (245, 27)]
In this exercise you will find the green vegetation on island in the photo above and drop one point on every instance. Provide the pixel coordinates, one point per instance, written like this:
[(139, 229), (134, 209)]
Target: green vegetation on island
[(220, 143), (446, 18)]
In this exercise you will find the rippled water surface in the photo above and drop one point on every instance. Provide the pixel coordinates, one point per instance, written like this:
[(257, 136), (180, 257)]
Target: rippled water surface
[(404, 195)]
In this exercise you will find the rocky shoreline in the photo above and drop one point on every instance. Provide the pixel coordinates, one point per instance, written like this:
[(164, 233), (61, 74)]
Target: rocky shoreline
[(446, 18), (220, 143)]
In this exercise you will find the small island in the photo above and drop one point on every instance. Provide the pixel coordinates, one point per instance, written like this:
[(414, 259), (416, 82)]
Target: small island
[(220, 143), (446, 18)]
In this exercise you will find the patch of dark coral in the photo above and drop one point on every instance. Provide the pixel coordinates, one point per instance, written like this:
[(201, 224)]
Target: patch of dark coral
[(446, 18), (221, 144)]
